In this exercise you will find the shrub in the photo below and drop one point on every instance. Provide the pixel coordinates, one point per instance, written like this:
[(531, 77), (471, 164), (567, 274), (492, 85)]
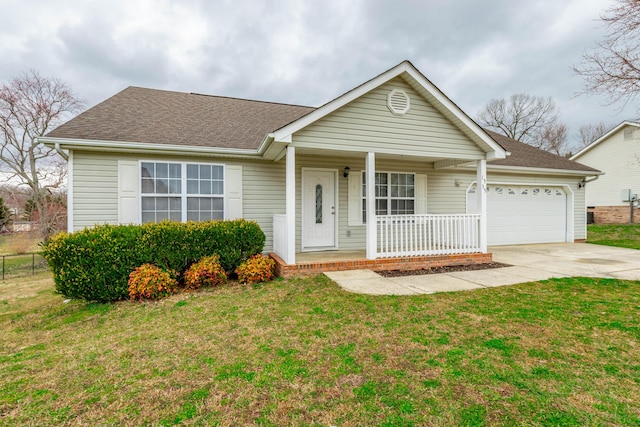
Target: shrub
[(151, 282), (94, 264), (256, 269), (206, 272)]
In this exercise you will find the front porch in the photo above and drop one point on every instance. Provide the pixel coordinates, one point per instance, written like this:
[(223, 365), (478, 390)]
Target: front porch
[(309, 238), (311, 263)]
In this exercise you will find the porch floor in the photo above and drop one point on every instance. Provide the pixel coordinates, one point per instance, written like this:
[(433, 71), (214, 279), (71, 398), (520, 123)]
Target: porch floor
[(311, 263)]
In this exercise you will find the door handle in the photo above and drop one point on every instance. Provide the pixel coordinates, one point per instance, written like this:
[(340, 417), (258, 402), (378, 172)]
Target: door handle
[(333, 210)]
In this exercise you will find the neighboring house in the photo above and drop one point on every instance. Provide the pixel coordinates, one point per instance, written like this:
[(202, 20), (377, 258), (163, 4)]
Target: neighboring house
[(300, 172), (617, 155)]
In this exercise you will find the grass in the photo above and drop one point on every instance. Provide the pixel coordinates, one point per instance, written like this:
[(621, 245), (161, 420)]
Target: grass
[(17, 256), (304, 352), (621, 235), (19, 243)]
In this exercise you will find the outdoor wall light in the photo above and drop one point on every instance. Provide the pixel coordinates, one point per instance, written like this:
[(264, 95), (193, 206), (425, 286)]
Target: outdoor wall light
[(457, 183), (346, 171), (582, 183)]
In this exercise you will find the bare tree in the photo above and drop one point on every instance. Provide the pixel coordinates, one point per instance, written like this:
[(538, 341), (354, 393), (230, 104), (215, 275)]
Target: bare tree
[(527, 118), (612, 68), (553, 138), (590, 132), (30, 105)]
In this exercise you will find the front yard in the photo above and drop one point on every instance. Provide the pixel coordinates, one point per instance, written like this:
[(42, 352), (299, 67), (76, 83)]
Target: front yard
[(621, 235), (304, 352)]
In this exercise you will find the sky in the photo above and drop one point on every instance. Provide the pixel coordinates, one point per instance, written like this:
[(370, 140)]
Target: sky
[(309, 52)]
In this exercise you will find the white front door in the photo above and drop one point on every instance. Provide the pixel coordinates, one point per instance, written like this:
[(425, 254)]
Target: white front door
[(318, 209)]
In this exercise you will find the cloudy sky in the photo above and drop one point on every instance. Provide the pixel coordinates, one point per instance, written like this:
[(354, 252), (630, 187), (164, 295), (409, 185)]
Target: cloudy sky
[(309, 52)]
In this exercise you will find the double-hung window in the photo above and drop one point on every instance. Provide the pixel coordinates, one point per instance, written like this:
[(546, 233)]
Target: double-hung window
[(395, 194), (181, 191)]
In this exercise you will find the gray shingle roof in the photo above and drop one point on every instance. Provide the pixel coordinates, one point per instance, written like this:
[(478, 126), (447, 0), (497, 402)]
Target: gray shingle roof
[(524, 155), (157, 116)]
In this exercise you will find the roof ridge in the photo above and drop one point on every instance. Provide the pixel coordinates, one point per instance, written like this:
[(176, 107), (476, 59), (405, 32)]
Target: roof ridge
[(219, 96)]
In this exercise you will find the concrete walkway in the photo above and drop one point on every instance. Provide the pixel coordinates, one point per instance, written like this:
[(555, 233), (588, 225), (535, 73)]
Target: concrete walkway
[(529, 263)]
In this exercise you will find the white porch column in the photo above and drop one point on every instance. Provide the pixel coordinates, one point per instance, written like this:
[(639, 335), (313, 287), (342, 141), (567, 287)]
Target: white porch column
[(372, 237), (482, 202), (290, 257)]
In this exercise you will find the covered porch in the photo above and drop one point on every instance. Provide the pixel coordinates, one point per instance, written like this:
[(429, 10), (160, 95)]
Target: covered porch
[(393, 241), (395, 131)]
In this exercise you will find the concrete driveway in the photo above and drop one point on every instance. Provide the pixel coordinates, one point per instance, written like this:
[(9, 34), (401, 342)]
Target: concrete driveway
[(528, 263)]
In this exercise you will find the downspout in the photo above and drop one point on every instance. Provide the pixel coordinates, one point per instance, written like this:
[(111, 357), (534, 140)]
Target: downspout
[(64, 155)]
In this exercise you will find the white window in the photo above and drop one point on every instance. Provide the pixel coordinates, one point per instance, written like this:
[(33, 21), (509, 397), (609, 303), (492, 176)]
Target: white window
[(181, 191), (395, 194)]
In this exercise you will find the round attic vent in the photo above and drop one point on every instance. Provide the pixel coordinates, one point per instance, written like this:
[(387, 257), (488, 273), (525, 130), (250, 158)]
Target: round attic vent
[(398, 101)]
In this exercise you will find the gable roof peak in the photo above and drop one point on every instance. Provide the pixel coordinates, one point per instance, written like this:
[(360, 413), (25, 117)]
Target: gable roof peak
[(604, 137)]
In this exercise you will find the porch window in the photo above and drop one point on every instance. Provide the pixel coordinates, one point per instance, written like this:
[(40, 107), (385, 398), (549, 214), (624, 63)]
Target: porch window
[(395, 194), (181, 191)]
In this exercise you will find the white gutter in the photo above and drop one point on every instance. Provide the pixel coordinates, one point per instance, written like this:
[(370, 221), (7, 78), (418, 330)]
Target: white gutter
[(540, 171), (137, 147), (268, 139)]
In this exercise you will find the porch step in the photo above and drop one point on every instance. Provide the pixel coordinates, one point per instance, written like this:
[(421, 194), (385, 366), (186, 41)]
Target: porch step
[(308, 268)]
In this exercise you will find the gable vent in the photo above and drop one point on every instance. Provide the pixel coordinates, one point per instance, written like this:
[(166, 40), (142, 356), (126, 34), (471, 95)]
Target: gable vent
[(398, 102)]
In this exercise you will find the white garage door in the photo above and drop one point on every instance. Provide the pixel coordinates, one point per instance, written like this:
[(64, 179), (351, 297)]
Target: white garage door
[(519, 214)]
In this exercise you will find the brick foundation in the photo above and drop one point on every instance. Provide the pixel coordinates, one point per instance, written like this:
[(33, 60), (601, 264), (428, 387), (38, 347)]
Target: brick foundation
[(614, 214), (404, 263)]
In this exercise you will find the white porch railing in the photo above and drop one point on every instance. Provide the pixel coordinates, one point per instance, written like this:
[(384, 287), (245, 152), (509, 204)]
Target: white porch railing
[(422, 235), (280, 235)]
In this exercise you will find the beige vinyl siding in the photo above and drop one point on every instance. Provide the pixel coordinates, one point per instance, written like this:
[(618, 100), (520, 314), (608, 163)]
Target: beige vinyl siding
[(263, 194), (95, 189), (96, 198), (367, 124), (619, 159)]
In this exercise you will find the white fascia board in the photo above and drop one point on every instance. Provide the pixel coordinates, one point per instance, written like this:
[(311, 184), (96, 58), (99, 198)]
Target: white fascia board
[(541, 171), (138, 147), (604, 138)]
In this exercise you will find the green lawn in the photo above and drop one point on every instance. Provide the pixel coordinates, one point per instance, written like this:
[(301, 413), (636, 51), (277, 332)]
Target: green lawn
[(303, 352), (622, 235), (17, 256)]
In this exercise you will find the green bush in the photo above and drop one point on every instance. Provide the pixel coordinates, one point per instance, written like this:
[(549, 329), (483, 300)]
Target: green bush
[(94, 264), (206, 272), (151, 282)]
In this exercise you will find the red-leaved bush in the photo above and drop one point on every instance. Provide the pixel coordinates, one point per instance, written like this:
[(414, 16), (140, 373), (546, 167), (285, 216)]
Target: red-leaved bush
[(151, 282), (258, 268), (206, 272)]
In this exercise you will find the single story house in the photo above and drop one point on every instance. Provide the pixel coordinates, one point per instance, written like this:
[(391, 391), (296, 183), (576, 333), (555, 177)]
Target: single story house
[(617, 155), (444, 188)]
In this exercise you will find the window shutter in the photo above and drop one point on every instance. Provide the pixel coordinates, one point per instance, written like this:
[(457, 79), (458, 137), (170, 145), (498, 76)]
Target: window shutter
[(421, 193), (355, 198), (128, 179), (233, 191)]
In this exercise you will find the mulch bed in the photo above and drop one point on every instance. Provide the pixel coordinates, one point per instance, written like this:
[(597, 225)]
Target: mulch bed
[(443, 269)]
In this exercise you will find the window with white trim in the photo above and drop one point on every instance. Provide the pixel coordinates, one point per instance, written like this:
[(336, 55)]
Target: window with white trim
[(181, 191), (395, 194)]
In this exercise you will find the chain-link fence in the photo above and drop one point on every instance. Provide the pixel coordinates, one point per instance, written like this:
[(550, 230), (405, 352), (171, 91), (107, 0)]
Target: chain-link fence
[(22, 265)]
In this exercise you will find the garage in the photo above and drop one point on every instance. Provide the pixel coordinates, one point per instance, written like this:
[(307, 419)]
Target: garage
[(523, 214)]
